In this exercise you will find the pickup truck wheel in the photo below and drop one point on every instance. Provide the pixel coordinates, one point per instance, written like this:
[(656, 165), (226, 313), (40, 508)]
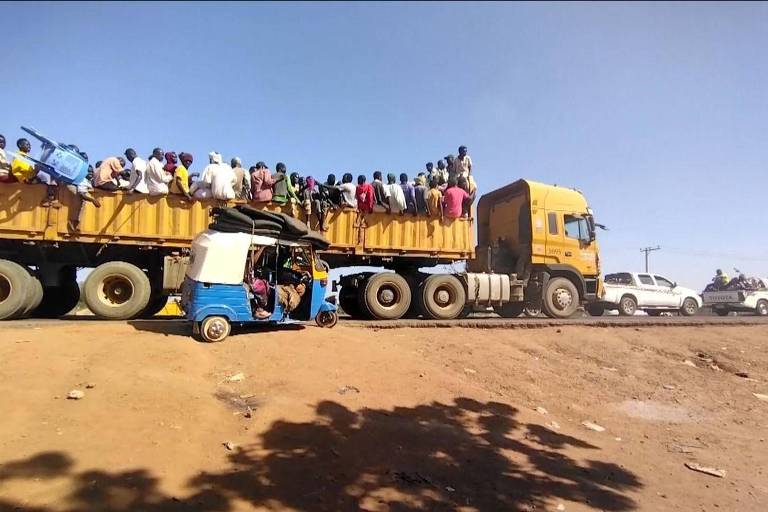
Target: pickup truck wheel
[(510, 309), (561, 299), (627, 306), (762, 308), (690, 307), (58, 300), (386, 296), (117, 290), (442, 297), (14, 286), (595, 309)]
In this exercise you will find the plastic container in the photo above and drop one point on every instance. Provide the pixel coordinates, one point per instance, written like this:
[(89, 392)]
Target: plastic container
[(62, 163)]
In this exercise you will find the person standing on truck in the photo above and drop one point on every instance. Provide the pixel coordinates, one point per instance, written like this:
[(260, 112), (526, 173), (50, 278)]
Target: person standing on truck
[(462, 166), (138, 181), (442, 171), (157, 178), (364, 195), (222, 178), (449, 166), (453, 199), (282, 193), (379, 194), (434, 199), (242, 190), (5, 166), (395, 195), (108, 173), (408, 192), (430, 169), (180, 183), (420, 191), (261, 183), (466, 206)]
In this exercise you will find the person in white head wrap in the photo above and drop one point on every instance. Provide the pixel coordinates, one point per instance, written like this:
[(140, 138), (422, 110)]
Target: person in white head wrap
[(222, 178)]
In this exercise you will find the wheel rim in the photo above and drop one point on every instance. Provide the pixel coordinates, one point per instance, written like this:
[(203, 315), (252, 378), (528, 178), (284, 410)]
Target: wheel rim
[(690, 308), (388, 296), (5, 288), (629, 308), (115, 290), (215, 329), (444, 296), (562, 298), (762, 308)]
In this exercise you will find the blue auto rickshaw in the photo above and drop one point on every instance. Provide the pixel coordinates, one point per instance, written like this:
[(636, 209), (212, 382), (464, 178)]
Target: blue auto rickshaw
[(249, 279)]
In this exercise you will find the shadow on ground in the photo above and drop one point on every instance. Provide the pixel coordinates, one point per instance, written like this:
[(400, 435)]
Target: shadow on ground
[(178, 327), (469, 455)]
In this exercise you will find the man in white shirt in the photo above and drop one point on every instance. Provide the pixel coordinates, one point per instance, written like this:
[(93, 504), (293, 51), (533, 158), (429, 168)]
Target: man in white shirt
[(138, 179), (394, 194), (157, 177), (347, 189), (463, 164), (222, 178)]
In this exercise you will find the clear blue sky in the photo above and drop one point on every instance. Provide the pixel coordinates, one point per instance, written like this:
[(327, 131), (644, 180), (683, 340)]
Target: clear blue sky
[(658, 112)]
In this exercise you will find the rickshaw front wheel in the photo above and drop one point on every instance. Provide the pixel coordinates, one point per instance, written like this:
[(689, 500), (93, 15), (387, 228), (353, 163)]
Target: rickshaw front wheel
[(327, 319), (214, 329)]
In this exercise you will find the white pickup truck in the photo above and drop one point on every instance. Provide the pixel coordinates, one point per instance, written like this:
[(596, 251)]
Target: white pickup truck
[(725, 301), (630, 291)]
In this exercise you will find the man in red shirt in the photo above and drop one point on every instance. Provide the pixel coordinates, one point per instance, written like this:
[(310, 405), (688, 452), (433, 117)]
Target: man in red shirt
[(364, 195), (453, 198)]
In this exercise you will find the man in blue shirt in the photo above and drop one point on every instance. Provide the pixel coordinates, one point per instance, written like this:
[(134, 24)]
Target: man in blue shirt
[(409, 193)]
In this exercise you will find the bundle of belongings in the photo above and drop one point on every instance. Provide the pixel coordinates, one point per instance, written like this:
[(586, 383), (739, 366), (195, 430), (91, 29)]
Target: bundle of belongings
[(291, 285), (246, 219), (738, 283)]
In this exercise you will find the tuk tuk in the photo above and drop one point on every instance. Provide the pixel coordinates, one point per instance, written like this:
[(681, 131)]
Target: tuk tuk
[(251, 279)]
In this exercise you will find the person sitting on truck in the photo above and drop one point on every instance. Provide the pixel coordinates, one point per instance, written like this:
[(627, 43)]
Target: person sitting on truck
[(262, 183), (434, 199), (138, 181), (347, 190), (364, 195), (5, 166), (453, 199), (180, 183), (330, 192), (395, 195), (420, 191), (23, 171), (720, 280), (466, 205), (462, 166), (107, 174), (157, 178), (379, 194), (171, 162), (408, 192)]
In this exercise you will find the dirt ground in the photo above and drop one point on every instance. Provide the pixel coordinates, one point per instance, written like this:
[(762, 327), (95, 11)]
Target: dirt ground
[(382, 420)]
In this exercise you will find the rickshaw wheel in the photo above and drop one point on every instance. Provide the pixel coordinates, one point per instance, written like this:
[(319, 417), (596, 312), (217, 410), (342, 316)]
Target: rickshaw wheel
[(214, 329), (327, 319)]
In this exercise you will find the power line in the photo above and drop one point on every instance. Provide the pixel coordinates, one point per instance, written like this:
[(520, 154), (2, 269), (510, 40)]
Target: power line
[(648, 250)]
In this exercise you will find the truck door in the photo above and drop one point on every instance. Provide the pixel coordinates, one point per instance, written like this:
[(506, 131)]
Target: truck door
[(667, 293), (649, 292), (578, 246)]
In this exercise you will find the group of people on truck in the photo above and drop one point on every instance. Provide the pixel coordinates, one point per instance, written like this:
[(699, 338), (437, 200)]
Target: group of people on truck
[(446, 190), (721, 283)]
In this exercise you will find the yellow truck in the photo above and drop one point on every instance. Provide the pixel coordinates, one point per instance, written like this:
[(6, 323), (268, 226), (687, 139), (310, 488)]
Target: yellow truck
[(536, 246)]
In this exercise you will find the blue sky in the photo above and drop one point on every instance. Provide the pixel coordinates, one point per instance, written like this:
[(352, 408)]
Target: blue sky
[(657, 112)]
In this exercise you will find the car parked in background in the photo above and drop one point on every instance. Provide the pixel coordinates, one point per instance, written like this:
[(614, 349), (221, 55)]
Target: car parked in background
[(629, 292)]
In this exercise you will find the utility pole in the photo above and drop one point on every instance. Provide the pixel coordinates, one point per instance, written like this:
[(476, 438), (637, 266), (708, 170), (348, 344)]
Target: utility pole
[(647, 250)]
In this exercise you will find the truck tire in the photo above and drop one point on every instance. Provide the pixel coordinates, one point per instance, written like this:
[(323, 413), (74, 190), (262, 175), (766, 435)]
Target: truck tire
[(561, 298), (595, 309), (117, 290), (510, 309), (58, 300), (156, 304), (386, 296), (627, 306), (690, 307), (442, 297), (14, 288), (531, 311), (761, 309), (34, 296)]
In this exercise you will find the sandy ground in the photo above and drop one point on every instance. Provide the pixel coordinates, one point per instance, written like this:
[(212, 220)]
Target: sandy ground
[(397, 419)]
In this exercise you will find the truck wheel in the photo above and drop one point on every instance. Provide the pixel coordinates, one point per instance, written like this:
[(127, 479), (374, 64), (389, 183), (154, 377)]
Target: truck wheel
[(386, 296), (690, 307), (510, 309), (58, 300), (531, 311), (627, 306), (595, 309), (117, 290), (34, 296), (156, 304), (442, 297), (14, 286), (762, 308), (214, 329), (561, 299)]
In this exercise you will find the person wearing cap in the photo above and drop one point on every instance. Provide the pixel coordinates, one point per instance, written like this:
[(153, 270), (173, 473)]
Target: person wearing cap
[(462, 166)]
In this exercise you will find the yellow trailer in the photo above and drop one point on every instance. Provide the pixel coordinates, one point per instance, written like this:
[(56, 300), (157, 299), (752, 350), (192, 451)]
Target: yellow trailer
[(536, 247)]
